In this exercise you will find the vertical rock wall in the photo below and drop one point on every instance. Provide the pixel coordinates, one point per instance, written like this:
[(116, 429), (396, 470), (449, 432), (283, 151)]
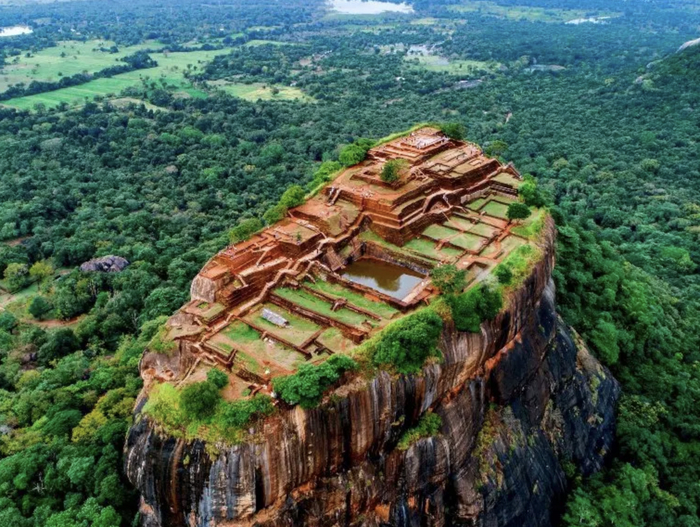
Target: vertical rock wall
[(518, 402)]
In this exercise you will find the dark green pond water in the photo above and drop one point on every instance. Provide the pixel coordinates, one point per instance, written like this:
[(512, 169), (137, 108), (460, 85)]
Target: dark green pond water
[(387, 278)]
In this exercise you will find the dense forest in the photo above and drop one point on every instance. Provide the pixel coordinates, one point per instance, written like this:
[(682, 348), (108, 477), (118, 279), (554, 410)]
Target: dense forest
[(605, 115)]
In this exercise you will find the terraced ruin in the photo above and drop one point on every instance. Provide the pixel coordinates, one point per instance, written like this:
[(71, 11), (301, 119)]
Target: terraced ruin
[(348, 261)]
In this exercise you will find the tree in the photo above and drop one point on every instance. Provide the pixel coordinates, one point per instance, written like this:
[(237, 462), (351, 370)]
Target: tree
[(355, 153), (478, 304), (198, 400), (292, 197), (407, 343), (17, 276), (275, 214), (40, 307), (455, 131), (307, 385), (530, 193), (518, 211), (392, 169), (41, 270), (60, 343), (449, 279), (504, 274), (244, 230), (217, 378)]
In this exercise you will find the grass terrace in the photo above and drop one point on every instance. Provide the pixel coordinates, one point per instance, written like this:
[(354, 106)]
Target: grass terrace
[(353, 297), (316, 304), (297, 332)]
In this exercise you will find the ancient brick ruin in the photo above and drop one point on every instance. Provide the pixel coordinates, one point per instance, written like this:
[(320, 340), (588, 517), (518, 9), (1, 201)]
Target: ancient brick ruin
[(341, 266)]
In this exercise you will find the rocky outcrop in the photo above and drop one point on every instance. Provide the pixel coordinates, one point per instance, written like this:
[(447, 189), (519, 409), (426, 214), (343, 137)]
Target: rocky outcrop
[(106, 264), (519, 402)]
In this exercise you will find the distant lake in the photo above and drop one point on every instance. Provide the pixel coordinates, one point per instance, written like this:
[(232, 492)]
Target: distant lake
[(13, 31), (371, 7)]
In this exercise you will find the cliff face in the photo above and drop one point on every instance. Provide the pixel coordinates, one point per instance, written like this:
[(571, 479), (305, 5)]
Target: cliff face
[(518, 403)]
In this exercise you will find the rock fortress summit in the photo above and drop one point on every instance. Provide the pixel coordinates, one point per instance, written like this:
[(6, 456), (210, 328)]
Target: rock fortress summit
[(480, 435)]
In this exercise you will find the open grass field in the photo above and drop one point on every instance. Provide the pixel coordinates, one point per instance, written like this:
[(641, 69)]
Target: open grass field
[(66, 59), (258, 91), (455, 67), (527, 13), (170, 69)]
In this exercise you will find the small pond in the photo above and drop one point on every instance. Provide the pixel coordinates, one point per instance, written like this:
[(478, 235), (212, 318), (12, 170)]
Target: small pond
[(370, 7), (387, 278), (13, 31)]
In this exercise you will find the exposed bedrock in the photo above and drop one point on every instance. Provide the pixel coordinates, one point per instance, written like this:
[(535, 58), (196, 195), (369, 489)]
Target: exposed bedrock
[(518, 402)]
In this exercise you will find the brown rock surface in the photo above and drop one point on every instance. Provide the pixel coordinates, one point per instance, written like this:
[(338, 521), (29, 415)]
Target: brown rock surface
[(518, 402)]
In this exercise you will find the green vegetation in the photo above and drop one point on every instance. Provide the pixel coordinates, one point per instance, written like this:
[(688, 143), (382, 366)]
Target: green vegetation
[(199, 411), (356, 152), (518, 211), (406, 344), (473, 307), (258, 91), (244, 230), (308, 384), (456, 67), (392, 169), (162, 184), (448, 279), (428, 426)]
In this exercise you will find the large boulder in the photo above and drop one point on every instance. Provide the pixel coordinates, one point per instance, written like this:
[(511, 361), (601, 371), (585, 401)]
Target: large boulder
[(106, 264)]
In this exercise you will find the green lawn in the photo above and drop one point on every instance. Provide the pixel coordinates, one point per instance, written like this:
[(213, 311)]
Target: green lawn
[(495, 209), (438, 232), (455, 67), (531, 226), (528, 13), (316, 304), (297, 332), (429, 249), (265, 92), (476, 204), (334, 340), (467, 241), (49, 66), (338, 291), (170, 69)]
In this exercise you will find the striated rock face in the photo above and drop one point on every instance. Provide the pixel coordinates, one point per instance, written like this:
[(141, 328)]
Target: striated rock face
[(519, 402)]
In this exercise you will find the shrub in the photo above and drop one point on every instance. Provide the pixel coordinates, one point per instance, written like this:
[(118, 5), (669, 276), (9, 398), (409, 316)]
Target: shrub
[(8, 322), (455, 131), (217, 378), (324, 173), (518, 211), (239, 413), (307, 385), (275, 214), (406, 344), (428, 426), (244, 230), (199, 400), (470, 309), (448, 279), (356, 152), (504, 274), (530, 193), (292, 197)]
